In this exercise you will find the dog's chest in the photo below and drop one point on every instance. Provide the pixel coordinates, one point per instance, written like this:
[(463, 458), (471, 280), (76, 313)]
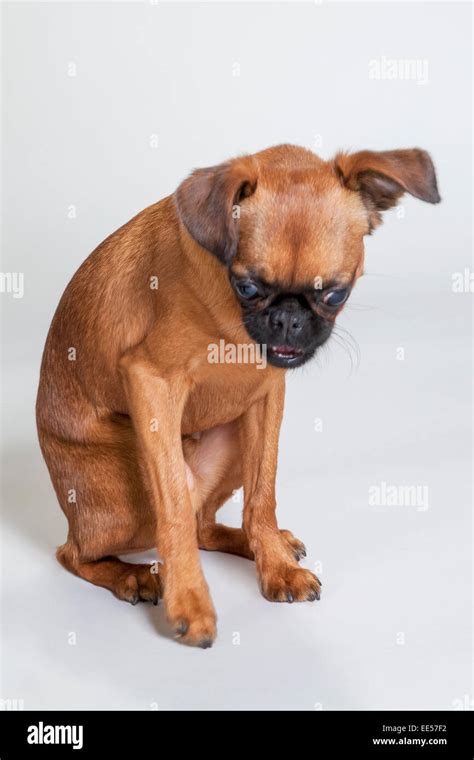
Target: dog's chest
[(221, 396)]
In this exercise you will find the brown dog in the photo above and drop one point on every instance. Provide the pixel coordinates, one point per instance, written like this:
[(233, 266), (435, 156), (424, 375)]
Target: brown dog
[(144, 437)]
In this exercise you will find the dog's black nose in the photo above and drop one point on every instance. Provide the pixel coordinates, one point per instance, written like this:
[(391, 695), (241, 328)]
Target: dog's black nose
[(285, 322), (287, 319)]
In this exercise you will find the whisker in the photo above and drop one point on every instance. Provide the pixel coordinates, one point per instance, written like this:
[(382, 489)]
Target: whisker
[(342, 344), (361, 307), (323, 353), (352, 341), (345, 340)]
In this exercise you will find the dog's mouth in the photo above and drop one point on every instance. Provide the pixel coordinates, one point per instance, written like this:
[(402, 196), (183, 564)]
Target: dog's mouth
[(286, 352), (285, 356)]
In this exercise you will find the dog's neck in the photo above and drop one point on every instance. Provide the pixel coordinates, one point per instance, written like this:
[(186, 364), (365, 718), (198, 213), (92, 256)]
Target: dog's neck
[(209, 281)]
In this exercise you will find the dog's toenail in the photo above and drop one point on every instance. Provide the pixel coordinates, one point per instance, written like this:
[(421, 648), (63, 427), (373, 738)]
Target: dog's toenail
[(205, 643), (182, 628), (289, 598)]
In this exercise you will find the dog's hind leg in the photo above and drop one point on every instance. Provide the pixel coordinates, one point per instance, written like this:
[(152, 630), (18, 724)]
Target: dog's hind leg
[(131, 583), (101, 492)]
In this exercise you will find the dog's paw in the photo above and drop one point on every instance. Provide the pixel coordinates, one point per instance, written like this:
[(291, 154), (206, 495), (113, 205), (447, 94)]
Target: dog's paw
[(192, 618), (139, 585), (287, 583), (297, 547)]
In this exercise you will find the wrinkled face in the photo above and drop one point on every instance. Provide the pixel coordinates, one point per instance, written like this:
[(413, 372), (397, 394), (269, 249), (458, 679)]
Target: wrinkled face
[(292, 324), (294, 250), (299, 255)]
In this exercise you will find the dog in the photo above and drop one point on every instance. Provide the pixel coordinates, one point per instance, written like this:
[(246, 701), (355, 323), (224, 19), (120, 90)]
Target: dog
[(144, 437)]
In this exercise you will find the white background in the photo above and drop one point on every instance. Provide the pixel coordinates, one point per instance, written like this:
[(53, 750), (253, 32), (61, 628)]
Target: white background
[(390, 574)]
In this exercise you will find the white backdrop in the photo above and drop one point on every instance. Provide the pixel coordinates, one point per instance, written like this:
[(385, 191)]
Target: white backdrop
[(106, 107)]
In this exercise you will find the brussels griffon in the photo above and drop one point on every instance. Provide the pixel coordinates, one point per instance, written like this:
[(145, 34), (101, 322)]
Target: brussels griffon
[(144, 437)]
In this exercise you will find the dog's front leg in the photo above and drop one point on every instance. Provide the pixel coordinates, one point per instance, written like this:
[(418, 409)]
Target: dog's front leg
[(281, 578), (156, 407)]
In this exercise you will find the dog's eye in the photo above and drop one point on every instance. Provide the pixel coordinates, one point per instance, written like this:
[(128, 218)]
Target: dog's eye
[(336, 297), (246, 290)]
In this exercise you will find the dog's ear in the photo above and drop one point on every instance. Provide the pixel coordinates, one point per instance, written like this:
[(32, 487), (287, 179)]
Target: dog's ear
[(208, 204), (381, 178)]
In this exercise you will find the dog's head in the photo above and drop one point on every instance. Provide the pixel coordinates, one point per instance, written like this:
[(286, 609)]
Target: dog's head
[(289, 228)]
